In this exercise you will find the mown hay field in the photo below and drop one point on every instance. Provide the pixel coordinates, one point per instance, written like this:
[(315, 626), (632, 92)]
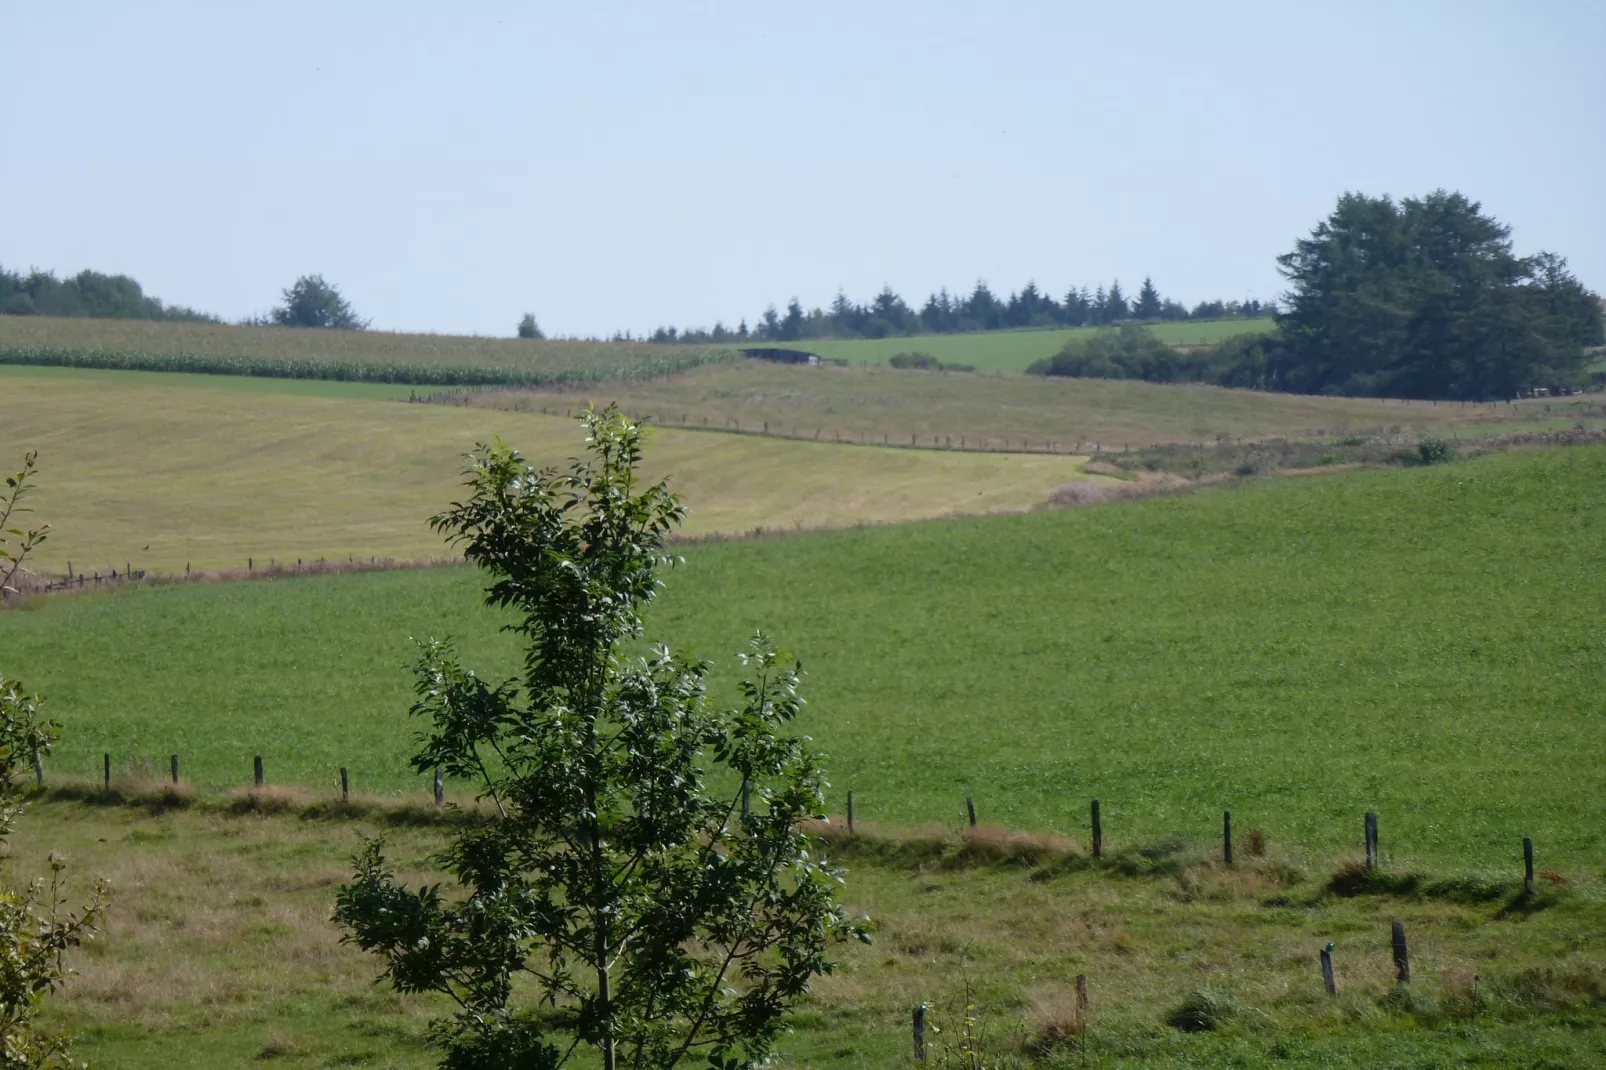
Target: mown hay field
[(367, 356), (1420, 642), (1013, 351), (954, 410), (138, 472)]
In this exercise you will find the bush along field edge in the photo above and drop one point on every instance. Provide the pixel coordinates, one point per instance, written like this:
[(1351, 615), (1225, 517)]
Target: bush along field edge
[(357, 371)]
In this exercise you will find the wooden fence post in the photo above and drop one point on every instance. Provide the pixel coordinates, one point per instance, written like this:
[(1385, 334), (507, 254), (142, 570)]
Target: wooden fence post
[(257, 769), (1527, 864), (1402, 955), (1371, 840), (1226, 836), (175, 768), (747, 800), (38, 770), (107, 767), (345, 785), (1081, 1003), (1328, 979), (850, 813), (920, 1033), (1098, 832), (970, 810), (440, 787)]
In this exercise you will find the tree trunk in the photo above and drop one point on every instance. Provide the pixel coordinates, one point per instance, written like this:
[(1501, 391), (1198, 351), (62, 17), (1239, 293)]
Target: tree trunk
[(605, 995)]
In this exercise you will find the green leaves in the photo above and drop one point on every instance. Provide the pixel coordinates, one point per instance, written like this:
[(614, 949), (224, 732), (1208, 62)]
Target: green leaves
[(659, 919), (33, 937), (17, 543)]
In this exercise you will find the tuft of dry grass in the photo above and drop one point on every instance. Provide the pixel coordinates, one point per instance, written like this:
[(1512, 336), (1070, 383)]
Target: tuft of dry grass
[(1055, 1023), (279, 1045)]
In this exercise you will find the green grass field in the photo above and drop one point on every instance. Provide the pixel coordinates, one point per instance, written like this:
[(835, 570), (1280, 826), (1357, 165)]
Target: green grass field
[(137, 471), (1422, 642), (220, 953), (1012, 351), (374, 356), (963, 411)]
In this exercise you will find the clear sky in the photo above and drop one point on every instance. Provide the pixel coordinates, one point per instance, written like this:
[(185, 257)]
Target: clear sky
[(611, 165)]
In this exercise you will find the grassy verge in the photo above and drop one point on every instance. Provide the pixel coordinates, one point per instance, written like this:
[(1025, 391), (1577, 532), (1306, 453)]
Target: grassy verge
[(962, 411), (1423, 642), (1012, 351), (1266, 457), (220, 947), (159, 477), (356, 356)]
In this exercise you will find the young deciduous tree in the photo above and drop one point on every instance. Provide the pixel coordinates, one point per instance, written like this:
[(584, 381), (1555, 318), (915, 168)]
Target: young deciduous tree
[(528, 328), (35, 932), (624, 887)]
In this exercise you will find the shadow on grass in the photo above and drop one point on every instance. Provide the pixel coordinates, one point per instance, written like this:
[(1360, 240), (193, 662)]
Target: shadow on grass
[(1353, 879), (158, 797)]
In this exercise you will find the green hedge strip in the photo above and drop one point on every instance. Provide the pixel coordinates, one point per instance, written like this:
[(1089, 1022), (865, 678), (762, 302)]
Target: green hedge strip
[(357, 371)]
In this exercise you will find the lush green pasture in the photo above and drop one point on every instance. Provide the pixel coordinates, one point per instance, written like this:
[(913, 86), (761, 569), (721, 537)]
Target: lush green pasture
[(963, 411), (139, 472), (364, 356), (220, 952), (1422, 642), (1012, 351)]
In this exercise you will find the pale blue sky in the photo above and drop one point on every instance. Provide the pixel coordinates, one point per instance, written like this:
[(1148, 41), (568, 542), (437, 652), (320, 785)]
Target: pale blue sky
[(611, 165)]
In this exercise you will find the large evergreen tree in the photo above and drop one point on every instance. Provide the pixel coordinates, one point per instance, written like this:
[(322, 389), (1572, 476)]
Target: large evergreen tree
[(1115, 306), (1148, 305), (1425, 298), (792, 322)]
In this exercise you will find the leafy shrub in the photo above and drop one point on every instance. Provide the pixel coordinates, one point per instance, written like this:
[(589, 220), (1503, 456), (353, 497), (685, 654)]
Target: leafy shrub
[(1435, 451), (1127, 352), (927, 362), (1244, 360), (35, 930)]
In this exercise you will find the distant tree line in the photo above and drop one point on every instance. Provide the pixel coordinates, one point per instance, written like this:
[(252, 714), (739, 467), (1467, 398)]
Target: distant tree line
[(310, 301), (86, 294), (1423, 298), (887, 315)]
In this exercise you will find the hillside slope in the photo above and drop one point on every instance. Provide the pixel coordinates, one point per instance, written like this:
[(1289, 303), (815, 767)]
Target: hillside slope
[(1421, 642), (135, 471)]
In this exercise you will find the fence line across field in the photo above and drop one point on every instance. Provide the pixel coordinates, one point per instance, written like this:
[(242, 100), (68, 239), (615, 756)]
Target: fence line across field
[(1096, 844), (1399, 946)]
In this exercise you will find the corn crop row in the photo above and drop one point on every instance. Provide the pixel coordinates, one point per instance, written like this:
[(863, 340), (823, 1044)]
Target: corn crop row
[(361, 371)]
